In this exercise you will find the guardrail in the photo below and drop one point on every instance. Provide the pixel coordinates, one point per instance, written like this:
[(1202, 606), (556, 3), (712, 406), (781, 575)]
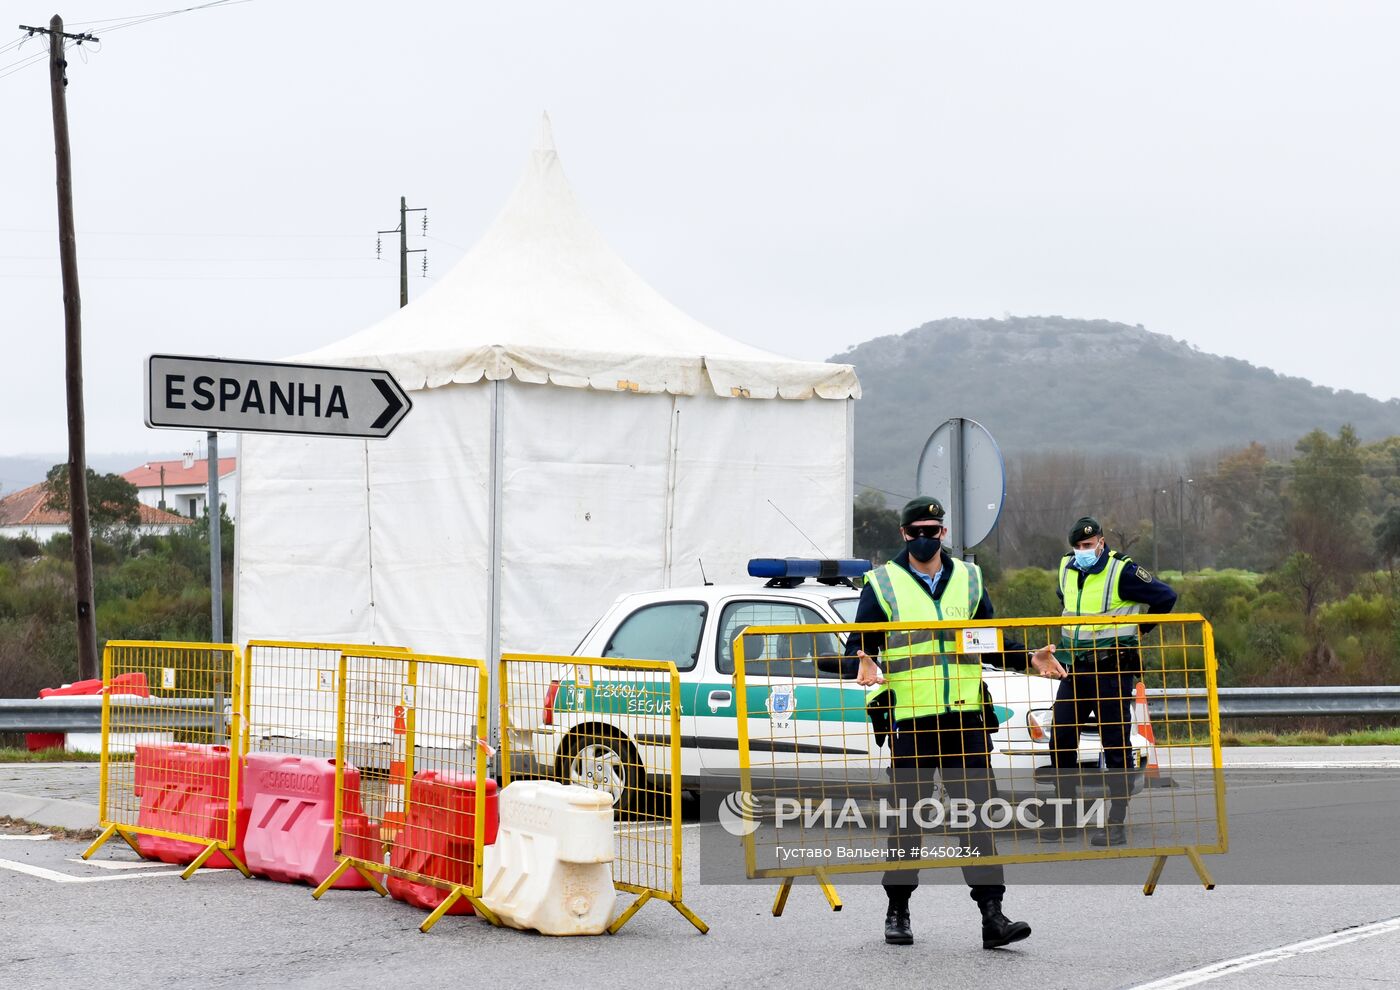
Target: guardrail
[(1277, 702), (84, 714)]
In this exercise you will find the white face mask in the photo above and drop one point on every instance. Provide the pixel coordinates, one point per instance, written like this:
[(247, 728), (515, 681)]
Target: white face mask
[(1086, 558)]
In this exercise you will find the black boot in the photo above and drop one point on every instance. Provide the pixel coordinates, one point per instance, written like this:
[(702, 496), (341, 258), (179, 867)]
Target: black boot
[(897, 928), (997, 930), (1112, 835)]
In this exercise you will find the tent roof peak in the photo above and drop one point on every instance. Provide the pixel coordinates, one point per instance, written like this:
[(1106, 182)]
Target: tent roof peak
[(541, 297)]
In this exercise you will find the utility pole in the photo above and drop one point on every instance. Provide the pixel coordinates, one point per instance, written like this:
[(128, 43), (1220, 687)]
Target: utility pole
[(1156, 536), (1181, 518), (73, 349), (404, 252)]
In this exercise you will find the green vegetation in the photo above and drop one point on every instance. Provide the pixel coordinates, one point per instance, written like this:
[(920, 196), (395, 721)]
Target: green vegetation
[(1294, 561), (12, 754), (147, 587), (1356, 737)]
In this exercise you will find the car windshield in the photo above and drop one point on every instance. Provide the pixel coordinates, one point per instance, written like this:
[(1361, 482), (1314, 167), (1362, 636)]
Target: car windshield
[(846, 608)]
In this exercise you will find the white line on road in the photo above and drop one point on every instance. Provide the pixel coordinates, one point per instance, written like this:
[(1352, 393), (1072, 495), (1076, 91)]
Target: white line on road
[(56, 877), (1229, 967), (26, 838), (112, 864)]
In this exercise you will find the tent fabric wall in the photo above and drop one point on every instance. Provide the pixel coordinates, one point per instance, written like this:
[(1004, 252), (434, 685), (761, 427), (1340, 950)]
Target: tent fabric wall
[(583, 508), (430, 524), (303, 552), (741, 462)]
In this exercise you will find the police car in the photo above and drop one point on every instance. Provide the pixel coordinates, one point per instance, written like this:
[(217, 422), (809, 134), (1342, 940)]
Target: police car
[(612, 733)]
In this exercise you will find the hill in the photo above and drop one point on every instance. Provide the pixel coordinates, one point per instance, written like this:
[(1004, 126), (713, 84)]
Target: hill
[(1044, 382)]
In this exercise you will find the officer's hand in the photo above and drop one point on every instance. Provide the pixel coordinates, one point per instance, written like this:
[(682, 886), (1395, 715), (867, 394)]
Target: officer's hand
[(869, 673), (1043, 662)]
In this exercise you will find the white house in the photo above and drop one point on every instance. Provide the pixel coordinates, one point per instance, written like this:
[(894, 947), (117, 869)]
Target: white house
[(27, 513), (183, 485)]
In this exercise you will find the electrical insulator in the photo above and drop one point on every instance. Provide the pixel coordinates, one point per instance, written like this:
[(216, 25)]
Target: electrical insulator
[(378, 248), (425, 221), (425, 266)]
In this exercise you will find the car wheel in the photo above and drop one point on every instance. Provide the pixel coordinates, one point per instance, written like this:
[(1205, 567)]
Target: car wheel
[(603, 761)]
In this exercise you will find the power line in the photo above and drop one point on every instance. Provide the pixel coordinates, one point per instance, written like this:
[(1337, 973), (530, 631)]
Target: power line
[(176, 233)]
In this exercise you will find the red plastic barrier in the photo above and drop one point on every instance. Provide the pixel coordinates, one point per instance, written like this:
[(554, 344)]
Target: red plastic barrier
[(438, 840), (291, 831), (183, 788), (133, 683)]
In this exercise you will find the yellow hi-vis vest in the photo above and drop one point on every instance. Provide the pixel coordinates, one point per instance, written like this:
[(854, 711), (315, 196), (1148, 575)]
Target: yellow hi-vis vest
[(1098, 596), (922, 666)]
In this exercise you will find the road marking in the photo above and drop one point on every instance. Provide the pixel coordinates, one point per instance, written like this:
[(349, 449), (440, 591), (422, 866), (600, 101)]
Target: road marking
[(56, 877), (1311, 765), (112, 864), (26, 838), (1229, 967)]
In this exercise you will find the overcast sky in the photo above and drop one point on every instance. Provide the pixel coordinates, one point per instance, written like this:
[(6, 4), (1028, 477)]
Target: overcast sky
[(802, 176)]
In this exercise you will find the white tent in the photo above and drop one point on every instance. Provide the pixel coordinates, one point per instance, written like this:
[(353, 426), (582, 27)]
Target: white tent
[(573, 436)]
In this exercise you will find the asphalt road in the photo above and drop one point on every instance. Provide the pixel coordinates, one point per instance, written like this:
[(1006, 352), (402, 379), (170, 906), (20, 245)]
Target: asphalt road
[(76, 924)]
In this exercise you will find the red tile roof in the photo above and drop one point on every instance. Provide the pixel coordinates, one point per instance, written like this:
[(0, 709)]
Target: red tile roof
[(148, 474), (30, 507)]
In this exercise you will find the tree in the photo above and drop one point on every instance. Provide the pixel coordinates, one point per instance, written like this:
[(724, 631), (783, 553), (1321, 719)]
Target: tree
[(1387, 534), (1326, 498), (112, 501), (1246, 492), (874, 527)]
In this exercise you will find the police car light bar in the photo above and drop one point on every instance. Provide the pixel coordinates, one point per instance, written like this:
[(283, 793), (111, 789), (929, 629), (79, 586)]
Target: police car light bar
[(800, 567)]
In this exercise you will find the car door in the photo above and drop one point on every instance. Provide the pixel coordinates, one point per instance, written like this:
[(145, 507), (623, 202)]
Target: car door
[(802, 720), (668, 630)]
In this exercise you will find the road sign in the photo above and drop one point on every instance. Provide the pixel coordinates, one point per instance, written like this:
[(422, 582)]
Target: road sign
[(961, 466), (199, 393)]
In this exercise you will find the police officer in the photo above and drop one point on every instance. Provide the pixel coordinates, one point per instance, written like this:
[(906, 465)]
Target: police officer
[(935, 705), (1104, 663)]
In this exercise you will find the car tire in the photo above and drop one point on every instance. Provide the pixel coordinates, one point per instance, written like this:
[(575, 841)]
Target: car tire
[(601, 759)]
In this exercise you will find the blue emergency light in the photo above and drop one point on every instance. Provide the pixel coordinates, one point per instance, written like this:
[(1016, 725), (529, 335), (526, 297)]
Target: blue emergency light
[(788, 571)]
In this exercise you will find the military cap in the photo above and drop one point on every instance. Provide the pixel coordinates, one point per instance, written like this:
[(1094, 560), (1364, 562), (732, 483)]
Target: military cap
[(1084, 529), (923, 507)]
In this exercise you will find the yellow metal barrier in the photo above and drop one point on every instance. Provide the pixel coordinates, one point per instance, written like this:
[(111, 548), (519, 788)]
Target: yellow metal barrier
[(411, 777), (171, 750), (842, 779), (289, 690), (611, 725)]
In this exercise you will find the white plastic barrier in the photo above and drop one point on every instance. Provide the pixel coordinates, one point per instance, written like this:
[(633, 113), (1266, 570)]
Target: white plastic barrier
[(549, 867)]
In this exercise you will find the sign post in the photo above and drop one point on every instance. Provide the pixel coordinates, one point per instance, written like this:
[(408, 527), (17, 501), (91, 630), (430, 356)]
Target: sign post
[(961, 466), (213, 394)]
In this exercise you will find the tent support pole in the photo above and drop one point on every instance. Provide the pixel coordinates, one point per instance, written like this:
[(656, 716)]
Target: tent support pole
[(672, 455), (493, 657)]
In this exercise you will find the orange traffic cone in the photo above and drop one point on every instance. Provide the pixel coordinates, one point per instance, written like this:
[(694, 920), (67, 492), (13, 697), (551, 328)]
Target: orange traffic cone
[(393, 819), (1144, 728)]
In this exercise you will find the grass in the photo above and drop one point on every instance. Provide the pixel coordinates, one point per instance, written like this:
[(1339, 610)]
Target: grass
[(1356, 737), (11, 755)]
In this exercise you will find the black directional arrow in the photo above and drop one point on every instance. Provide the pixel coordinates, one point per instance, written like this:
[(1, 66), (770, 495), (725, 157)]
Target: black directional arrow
[(395, 404)]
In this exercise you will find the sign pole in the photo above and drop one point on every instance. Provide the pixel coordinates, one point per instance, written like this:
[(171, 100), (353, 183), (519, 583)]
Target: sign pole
[(958, 539), (216, 545)]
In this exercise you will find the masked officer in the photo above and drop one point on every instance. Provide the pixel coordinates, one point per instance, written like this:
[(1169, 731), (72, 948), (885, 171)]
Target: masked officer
[(935, 705), (1104, 664)]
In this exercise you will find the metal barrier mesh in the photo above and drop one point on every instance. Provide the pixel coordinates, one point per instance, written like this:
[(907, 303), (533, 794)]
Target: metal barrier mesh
[(413, 795), (170, 749), (290, 696), (611, 725), (852, 779)]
